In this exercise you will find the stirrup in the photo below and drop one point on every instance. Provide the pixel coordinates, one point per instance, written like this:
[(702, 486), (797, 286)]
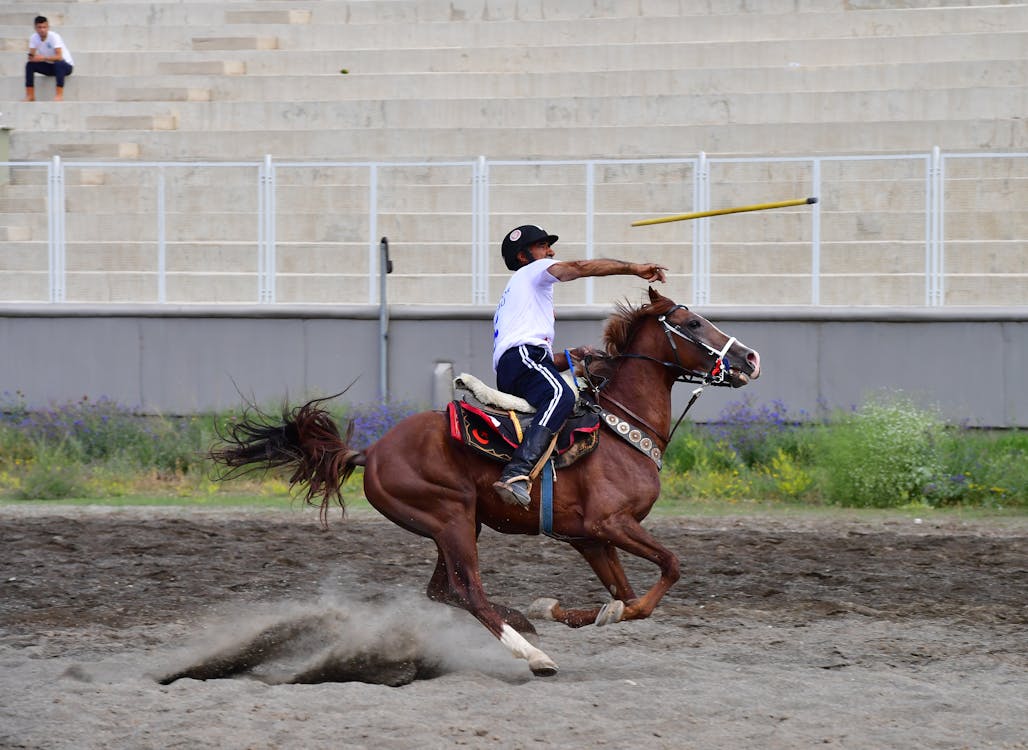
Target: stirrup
[(515, 491)]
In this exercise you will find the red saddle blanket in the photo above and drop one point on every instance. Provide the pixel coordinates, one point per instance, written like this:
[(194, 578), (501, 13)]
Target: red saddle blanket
[(492, 433)]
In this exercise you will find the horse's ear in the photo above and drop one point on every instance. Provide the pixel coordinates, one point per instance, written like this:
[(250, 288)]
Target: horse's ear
[(655, 295)]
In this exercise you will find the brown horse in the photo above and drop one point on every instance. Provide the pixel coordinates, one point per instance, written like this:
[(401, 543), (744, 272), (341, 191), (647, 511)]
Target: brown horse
[(423, 480)]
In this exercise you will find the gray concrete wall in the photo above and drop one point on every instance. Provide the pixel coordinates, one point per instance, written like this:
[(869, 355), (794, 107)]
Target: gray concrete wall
[(969, 362)]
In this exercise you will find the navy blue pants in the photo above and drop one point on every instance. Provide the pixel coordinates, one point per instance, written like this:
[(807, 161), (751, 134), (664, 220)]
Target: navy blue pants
[(59, 69), (529, 372)]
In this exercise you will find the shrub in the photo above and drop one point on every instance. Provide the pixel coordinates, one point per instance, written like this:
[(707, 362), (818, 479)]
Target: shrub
[(788, 479), (52, 475), (885, 453), (981, 468)]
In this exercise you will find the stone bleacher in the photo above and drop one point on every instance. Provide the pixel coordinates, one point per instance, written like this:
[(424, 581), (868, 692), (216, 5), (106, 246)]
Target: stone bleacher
[(434, 81)]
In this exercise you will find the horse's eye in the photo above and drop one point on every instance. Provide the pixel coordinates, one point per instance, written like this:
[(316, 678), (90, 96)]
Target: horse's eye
[(694, 324)]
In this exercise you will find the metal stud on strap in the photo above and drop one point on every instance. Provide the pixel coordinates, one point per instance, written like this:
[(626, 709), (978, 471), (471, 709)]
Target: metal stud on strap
[(633, 436)]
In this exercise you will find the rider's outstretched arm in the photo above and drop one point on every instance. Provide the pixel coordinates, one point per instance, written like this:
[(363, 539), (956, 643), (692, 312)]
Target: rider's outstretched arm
[(577, 269)]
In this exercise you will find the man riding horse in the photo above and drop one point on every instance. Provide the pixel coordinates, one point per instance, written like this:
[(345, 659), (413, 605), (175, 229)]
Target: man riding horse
[(523, 332)]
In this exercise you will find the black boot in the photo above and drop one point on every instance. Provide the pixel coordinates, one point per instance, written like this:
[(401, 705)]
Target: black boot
[(514, 485)]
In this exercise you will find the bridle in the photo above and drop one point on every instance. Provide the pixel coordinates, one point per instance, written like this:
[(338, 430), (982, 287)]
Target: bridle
[(718, 371), (716, 375)]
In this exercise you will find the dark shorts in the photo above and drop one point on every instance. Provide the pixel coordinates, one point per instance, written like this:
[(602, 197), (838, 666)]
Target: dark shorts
[(529, 372)]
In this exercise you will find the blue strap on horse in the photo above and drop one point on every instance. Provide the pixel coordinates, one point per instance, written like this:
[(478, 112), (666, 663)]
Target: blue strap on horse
[(549, 473), (546, 499)]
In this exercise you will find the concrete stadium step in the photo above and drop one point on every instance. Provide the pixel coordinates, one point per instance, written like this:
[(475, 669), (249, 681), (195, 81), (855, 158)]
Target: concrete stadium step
[(394, 11), (98, 89), (203, 189), (775, 289), (191, 67), (295, 258), (848, 290), (625, 111), (645, 55), (143, 287), (22, 226), (241, 288), (131, 122), (13, 234), (767, 227), (19, 204), (976, 256), (976, 289), (79, 145), (154, 39), (175, 13), (409, 143), (24, 286), (730, 255), (219, 43), (472, 85), (573, 28)]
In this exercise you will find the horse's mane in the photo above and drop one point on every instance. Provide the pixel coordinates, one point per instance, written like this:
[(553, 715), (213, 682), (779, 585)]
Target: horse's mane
[(618, 330)]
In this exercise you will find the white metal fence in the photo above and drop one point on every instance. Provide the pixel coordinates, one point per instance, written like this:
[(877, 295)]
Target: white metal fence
[(880, 217)]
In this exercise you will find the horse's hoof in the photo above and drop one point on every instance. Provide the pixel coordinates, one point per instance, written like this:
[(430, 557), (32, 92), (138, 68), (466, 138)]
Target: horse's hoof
[(542, 666), (542, 609), (610, 612)]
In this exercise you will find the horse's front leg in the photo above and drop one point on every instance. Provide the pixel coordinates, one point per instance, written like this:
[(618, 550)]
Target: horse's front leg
[(603, 559), (627, 534)]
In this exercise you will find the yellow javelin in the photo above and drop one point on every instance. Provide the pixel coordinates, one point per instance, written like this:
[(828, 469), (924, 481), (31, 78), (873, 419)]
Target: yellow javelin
[(722, 211)]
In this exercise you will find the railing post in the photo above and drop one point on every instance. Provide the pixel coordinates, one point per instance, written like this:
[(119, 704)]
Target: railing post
[(590, 224), (933, 230), (162, 249), (272, 204), (266, 232), (701, 233), (480, 232), (51, 233), (815, 235), (940, 226), (55, 221), (372, 232)]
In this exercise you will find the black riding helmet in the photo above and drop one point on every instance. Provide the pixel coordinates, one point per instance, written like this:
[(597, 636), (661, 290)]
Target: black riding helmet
[(520, 239)]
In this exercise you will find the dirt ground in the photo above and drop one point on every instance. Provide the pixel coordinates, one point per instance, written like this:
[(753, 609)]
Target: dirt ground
[(784, 632)]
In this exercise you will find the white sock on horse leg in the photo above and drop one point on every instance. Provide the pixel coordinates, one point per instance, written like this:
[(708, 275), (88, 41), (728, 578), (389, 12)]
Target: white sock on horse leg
[(538, 662)]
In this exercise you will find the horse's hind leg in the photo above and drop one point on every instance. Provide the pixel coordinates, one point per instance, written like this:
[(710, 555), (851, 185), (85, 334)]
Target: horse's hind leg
[(460, 558), (439, 591)]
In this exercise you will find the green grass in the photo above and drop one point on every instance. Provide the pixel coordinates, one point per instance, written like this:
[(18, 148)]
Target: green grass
[(887, 453)]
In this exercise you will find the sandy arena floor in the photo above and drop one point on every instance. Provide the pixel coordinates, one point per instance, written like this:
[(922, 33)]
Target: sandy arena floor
[(783, 633)]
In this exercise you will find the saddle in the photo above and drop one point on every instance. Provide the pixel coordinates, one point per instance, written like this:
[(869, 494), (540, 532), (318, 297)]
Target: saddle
[(493, 426)]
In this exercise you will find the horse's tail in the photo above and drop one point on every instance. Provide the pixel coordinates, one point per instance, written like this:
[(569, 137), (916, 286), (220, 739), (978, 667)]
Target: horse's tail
[(305, 440)]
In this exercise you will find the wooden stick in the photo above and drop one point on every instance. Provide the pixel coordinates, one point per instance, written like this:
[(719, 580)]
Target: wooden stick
[(722, 211)]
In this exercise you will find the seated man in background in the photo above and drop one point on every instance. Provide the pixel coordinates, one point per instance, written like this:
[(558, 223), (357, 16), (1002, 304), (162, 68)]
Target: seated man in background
[(49, 56)]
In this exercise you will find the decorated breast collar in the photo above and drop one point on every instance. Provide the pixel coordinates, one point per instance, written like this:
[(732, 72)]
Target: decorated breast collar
[(632, 435)]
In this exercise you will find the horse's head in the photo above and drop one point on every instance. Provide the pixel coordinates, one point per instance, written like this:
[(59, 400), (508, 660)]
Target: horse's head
[(682, 339)]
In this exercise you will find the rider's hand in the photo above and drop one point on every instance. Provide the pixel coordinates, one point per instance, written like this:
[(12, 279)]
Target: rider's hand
[(581, 352), (651, 272)]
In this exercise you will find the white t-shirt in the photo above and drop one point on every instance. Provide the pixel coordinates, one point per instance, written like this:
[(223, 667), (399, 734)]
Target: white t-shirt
[(49, 47), (524, 314)]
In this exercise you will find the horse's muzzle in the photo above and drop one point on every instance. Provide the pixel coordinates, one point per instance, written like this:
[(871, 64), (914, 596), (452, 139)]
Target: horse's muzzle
[(748, 370)]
